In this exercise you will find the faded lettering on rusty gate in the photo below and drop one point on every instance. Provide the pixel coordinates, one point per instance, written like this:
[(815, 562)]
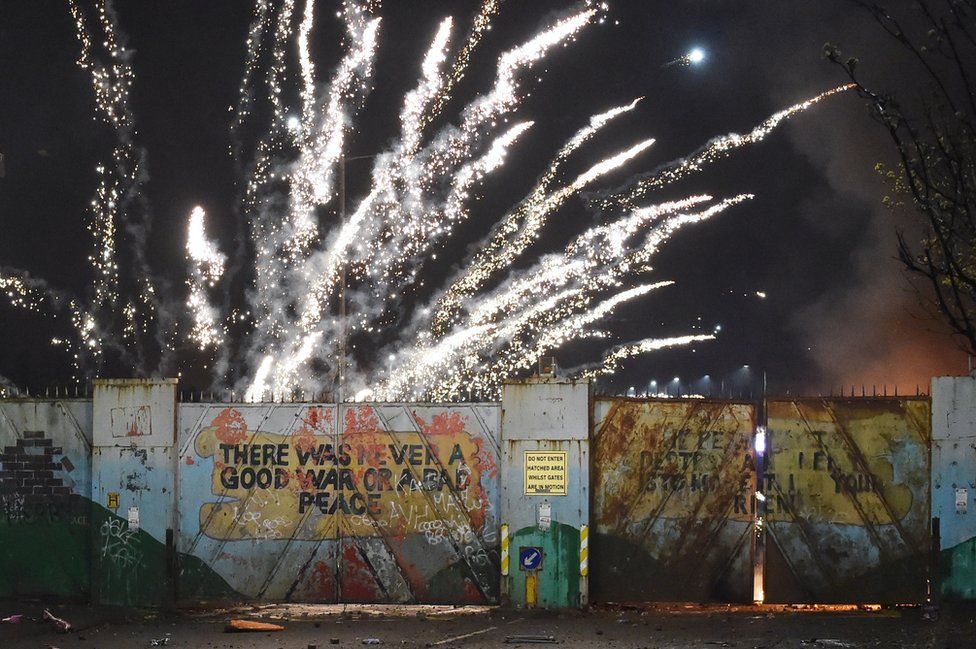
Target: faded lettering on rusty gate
[(672, 499), (847, 499)]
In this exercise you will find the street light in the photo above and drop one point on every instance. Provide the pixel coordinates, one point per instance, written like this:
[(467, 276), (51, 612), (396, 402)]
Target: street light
[(342, 290)]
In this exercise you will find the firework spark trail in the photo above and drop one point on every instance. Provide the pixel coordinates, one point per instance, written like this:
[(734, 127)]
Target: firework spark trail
[(262, 169), (479, 27), (118, 206), (245, 93), (422, 234), (206, 268), (504, 95), (716, 149), (432, 86), (306, 63), (316, 166), (570, 323), (476, 329), (313, 180), (598, 246), (282, 244), (30, 293), (447, 150), (518, 229), (515, 327), (277, 71), (612, 359), (258, 389)]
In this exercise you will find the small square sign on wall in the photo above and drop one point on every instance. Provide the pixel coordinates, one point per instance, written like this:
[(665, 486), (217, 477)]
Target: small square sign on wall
[(962, 500)]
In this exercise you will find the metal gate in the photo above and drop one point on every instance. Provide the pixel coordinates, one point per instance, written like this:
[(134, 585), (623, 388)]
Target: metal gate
[(350, 503), (847, 495), (672, 500)]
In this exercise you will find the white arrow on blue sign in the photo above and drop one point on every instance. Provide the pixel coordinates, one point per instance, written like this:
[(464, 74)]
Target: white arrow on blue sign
[(530, 558)]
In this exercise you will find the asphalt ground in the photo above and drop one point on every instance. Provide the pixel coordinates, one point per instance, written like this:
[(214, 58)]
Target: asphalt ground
[(631, 626)]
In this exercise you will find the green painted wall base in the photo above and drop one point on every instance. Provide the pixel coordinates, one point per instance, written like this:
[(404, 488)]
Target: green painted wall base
[(958, 569), (131, 569), (47, 555), (559, 578)]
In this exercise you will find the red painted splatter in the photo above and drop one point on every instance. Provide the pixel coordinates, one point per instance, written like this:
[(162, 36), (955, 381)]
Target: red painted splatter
[(304, 479), (189, 460), (304, 443), (316, 421), (358, 581), (484, 462), (231, 427), (444, 423), (361, 421), (471, 593), (322, 582)]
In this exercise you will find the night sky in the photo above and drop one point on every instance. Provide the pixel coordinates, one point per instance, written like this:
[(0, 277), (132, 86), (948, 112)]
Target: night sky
[(816, 240)]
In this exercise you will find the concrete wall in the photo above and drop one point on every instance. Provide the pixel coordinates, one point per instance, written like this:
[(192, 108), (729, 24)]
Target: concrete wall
[(954, 483), (136, 500), (539, 417), (45, 479)]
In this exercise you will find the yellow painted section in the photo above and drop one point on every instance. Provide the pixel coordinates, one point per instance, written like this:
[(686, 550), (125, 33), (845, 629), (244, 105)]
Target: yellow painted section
[(673, 460), (531, 589), (584, 550), (505, 550), (835, 462), (298, 485)]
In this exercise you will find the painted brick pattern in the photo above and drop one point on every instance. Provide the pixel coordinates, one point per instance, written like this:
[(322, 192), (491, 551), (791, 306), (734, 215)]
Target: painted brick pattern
[(31, 470)]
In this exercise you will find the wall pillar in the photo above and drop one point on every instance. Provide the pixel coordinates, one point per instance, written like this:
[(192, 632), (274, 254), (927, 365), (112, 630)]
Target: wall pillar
[(545, 500), (954, 486), (133, 491)]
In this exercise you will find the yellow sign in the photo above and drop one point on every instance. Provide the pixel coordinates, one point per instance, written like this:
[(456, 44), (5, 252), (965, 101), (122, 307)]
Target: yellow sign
[(545, 473), (113, 500)]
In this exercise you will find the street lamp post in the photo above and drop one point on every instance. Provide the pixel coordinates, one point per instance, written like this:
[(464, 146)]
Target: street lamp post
[(342, 287)]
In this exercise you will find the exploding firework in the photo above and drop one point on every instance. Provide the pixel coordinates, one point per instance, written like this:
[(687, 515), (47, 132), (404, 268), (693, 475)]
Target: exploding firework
[(326, 282)]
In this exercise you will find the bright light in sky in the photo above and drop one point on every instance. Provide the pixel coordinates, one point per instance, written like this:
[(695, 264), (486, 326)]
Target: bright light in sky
[(696, 55)]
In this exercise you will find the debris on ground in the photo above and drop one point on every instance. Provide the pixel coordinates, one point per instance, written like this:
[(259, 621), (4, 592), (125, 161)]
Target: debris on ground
[(333, 640), (159, 642), (13, 619), (63, 626), (236, 626), (372, 641), (530, 639), (826, 642)]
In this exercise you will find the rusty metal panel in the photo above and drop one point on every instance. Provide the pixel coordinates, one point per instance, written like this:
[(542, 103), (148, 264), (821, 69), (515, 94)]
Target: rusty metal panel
[(847, 494), (672, 500), (351, 503)]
